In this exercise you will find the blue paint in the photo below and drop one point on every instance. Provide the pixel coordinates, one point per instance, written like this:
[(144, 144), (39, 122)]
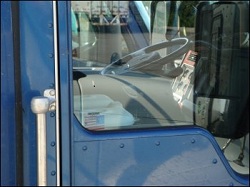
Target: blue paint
[(8, 126), (66, 100), (37, 67), (194, 147)]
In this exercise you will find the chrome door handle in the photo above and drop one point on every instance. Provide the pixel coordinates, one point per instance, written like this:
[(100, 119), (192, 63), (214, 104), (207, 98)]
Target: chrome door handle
[(40, 105)]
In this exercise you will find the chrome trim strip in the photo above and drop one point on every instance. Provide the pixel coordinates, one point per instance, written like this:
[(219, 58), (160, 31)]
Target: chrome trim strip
[(58, 156)]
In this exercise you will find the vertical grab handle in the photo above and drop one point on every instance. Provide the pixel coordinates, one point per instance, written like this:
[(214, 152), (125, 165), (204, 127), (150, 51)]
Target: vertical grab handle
[(40, 105)]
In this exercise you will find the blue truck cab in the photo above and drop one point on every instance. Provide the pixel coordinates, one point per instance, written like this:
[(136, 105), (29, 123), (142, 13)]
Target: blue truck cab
[(124, 93)]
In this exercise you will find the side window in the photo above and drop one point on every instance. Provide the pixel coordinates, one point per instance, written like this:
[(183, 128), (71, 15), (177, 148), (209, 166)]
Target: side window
[(117, 84)]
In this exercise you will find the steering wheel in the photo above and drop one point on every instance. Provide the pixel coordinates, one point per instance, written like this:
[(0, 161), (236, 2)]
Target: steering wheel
[(148, 58)]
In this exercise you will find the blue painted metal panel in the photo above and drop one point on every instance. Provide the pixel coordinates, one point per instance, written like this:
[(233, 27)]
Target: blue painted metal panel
[(8, 126), (177, 156), (66, 84), (37, 70)]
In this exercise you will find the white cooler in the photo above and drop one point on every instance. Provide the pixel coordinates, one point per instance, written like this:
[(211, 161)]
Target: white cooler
[(100, 111)]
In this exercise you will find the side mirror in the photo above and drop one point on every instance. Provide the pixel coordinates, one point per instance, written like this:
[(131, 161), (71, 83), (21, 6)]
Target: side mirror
[(221, 86)]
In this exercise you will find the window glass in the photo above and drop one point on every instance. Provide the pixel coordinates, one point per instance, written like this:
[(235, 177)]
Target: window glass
[(128, 74), (128, 93)]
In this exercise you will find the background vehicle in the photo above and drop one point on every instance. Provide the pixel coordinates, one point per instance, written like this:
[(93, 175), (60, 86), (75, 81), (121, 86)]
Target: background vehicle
[(124, 93)]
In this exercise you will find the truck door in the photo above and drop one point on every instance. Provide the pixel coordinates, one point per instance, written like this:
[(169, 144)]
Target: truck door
[(100, 105), (120, 123)]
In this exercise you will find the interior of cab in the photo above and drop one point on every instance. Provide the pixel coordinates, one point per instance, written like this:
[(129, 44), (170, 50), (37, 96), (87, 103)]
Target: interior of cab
[(173, 72)]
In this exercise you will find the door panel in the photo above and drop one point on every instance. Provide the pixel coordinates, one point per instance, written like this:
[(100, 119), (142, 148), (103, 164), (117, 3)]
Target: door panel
[(149, 158), (37, 70), (172, 155)]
